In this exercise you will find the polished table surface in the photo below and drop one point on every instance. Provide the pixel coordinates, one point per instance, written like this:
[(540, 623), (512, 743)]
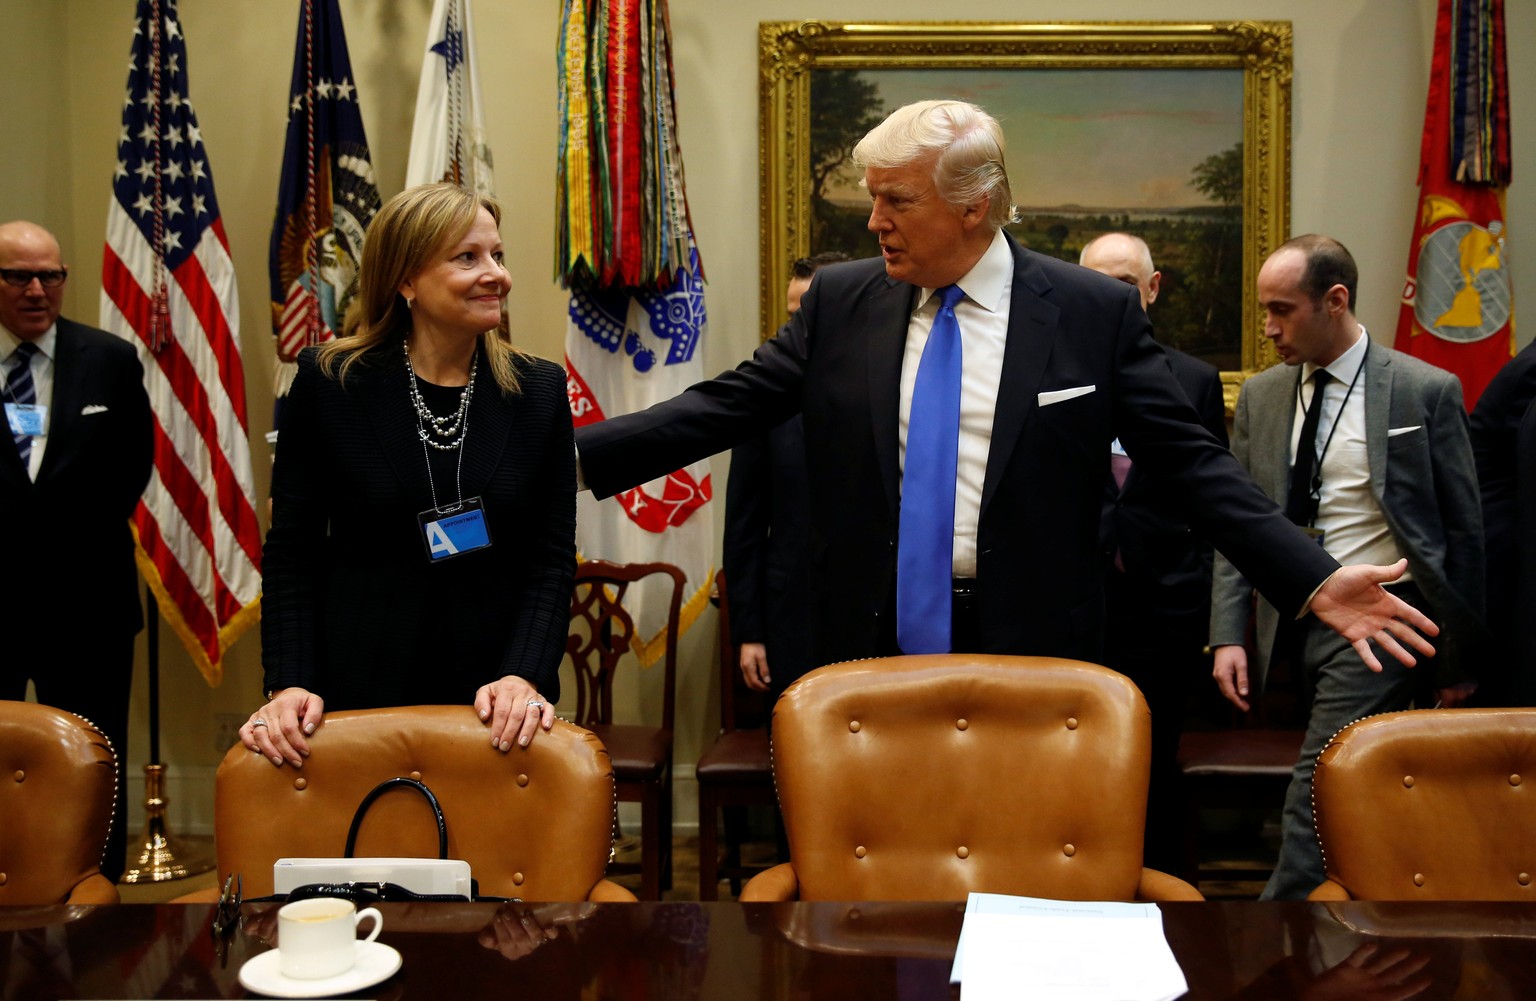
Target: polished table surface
[(1228, 949)]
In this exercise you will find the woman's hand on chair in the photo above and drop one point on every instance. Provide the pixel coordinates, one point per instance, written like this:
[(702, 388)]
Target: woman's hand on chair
[(514, 711), (279, 730)]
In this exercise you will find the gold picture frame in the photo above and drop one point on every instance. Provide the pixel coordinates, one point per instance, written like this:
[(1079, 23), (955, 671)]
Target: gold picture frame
[(793, 53)]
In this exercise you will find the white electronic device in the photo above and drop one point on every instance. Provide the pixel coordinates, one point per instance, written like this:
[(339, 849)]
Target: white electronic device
[(419, 875)]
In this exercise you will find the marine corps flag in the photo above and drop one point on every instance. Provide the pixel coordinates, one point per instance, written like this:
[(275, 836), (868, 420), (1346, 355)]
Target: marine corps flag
[(327, 195), (1458, 305), (625, 250)]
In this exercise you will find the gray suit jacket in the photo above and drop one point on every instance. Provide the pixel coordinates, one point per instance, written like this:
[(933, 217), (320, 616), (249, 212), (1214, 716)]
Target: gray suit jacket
[(1424, 479)]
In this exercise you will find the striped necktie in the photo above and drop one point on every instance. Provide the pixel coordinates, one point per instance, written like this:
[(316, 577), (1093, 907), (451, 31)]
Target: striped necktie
[(21, 389)]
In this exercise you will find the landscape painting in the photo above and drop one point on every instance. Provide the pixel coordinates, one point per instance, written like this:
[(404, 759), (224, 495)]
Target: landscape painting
[(1178, 133)]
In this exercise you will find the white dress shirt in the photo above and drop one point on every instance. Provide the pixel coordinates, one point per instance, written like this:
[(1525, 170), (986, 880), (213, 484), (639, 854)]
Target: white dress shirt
[(42, 381), (983, 319), (1354, 528)]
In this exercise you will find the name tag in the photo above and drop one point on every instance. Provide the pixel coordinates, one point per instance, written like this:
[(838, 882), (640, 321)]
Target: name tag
[(454, 531), (27, 418), (1315, 534)]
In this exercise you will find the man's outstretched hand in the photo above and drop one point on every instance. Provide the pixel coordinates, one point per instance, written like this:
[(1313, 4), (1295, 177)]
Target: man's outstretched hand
[(1353, 604)]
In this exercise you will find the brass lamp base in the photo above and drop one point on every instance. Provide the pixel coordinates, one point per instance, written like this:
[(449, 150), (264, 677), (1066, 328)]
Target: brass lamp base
[(161, 857)]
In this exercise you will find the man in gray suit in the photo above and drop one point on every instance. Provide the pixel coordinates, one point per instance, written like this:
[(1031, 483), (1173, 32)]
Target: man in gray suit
[(1383, 472)]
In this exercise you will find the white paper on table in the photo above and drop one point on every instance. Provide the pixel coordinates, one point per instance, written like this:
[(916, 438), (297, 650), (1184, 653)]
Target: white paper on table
[(1023, 946)]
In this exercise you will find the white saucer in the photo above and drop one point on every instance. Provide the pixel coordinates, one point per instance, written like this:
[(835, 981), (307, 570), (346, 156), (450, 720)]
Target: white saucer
[(376, 963)]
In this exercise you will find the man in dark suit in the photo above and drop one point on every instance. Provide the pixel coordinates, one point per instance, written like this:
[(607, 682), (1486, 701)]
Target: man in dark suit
[(767, 538), (1157, 570), (1369, 450), (1057, 362), (77, 457), (1504, 445)]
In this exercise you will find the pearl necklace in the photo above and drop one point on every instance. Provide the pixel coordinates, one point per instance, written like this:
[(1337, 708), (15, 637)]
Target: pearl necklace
[(430, 427)]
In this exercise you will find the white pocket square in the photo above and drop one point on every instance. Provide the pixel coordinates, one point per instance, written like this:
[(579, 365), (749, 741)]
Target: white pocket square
[(93, 408), (1058, 395), (1394, 432)]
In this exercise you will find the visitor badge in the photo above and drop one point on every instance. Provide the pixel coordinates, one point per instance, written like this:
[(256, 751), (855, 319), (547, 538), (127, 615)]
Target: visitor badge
[(452, 531), (1315, 534), (27, 418)]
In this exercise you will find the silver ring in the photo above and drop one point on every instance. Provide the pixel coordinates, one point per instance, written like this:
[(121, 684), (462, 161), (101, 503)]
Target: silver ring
[(258, 721), (540, 703)]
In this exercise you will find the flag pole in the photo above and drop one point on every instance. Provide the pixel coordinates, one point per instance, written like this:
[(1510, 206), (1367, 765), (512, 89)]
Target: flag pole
[(160, 856)]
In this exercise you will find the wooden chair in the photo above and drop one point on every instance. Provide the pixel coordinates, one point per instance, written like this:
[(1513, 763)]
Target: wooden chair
[(928, 777), (1429, 804), (735, 772), (535, 822), (600, 637), (56, 796), (1244, 766)]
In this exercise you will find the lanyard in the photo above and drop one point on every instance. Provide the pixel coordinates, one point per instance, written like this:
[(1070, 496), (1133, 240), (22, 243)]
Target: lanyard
[(1315, 488)]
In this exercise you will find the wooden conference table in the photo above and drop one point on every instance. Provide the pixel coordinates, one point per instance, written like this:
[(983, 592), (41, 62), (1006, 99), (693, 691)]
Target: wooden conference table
[(1228, 949)]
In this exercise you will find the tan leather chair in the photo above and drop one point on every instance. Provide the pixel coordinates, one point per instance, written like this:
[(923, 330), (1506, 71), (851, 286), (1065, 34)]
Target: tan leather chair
[(925, 778), (1436, 804), (534, 823), (58, 780)]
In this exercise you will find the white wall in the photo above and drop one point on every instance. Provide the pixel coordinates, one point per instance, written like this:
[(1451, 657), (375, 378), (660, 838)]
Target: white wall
[(1360, 75)]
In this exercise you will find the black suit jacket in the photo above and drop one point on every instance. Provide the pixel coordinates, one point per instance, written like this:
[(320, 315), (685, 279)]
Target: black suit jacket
[(1503, 433), (1167, 565), (70, 541), (767, 549), (352, 608), (1079, 369)]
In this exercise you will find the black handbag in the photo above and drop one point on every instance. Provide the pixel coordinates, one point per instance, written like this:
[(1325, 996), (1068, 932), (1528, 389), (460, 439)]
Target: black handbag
[(363, 893)]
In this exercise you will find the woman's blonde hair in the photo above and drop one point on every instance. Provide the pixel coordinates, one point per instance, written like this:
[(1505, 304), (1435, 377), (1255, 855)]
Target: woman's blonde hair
[(409, 230)]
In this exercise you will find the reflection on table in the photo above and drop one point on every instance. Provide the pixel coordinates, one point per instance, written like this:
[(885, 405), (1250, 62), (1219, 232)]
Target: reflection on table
[(1228, 949)]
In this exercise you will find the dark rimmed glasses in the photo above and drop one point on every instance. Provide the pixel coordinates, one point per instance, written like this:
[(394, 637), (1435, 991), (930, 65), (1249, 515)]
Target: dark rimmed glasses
[(21, 278)]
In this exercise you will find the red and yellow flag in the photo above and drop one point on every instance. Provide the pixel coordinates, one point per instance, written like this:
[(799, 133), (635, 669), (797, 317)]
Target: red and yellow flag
[(1458, 308)]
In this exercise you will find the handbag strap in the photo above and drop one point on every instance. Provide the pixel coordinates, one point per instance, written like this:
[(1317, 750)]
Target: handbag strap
[(381, 789)]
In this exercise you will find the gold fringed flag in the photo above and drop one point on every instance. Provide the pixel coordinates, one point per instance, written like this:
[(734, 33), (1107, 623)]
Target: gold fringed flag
[(1458, 308), (168, 285), (625, 251)]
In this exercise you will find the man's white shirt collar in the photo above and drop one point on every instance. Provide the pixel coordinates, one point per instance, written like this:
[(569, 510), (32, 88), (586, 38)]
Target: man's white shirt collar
[(1346, 365), (988, 280), (46, 344)]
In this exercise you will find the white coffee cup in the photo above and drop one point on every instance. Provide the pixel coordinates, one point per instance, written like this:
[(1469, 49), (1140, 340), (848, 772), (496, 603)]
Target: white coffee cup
[(317, 938)]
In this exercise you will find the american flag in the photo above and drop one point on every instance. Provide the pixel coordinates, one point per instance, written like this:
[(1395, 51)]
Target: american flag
[(327, 196), (168, 285)]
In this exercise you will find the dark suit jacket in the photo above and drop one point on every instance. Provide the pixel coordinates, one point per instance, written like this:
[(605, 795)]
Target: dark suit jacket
[(70, 548), (353, 610), (1504, 445), (767, 549), (1167, 564), (1079, 369)]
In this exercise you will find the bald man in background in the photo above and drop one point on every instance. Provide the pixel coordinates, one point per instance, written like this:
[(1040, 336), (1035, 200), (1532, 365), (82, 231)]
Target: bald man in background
[(76, 459), (1157, 570)]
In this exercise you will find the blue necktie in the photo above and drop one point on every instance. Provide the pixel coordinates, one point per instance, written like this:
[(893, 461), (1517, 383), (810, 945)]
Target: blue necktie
[(21, 389), (925, 544)]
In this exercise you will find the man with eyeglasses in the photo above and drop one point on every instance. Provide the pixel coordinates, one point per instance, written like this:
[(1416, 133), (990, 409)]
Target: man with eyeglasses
[(74, 461)]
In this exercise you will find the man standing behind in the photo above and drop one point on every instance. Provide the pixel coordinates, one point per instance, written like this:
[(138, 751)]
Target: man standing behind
[(767, 538), (1504, 443), (1157, 570), (76, 459), (1382, 471)]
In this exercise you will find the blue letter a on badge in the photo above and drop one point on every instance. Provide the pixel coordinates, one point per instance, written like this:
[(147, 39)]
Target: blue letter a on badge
[(439, 544)]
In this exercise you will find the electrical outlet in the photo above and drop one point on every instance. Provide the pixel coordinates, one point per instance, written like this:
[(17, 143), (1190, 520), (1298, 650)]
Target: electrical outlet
[(226, 733)]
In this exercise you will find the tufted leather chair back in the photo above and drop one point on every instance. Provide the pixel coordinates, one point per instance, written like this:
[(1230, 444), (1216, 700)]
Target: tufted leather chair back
[(534, 823), (58, 780), (1429, 805), (928, 777)]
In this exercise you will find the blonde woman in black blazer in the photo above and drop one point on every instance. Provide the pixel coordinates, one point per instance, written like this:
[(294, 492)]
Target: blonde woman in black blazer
[(422, 546)]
